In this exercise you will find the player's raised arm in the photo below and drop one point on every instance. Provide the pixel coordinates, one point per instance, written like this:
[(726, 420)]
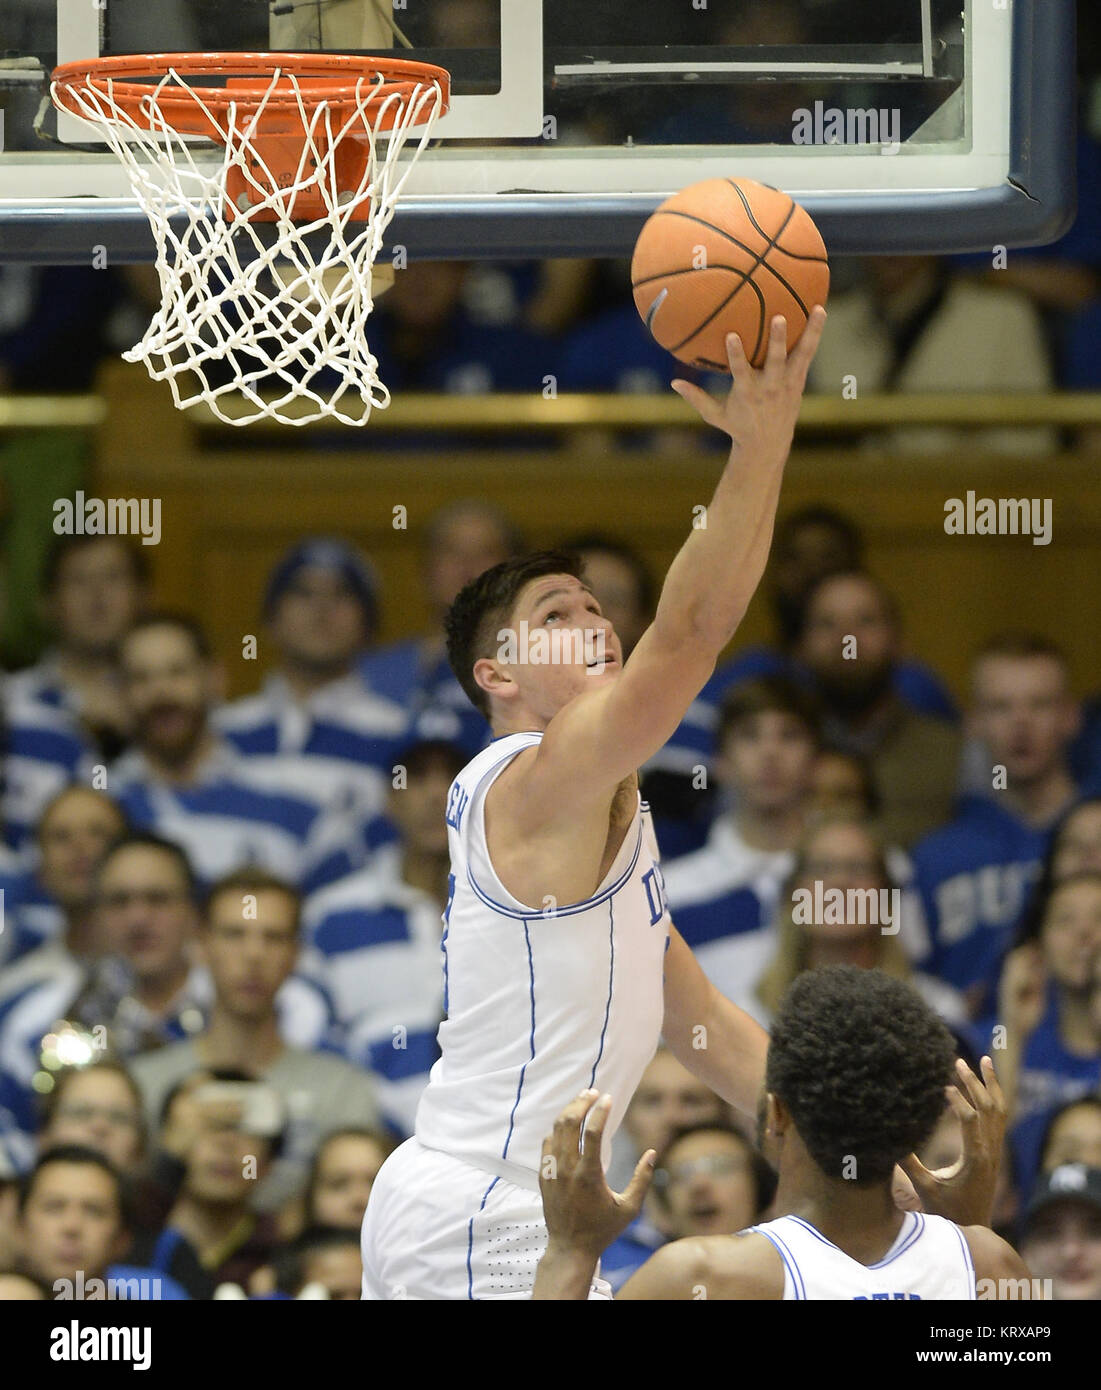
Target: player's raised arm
[(604, 735)]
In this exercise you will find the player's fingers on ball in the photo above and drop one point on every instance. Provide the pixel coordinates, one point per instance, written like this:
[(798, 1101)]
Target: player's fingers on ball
[(803, 352), (777, 345)]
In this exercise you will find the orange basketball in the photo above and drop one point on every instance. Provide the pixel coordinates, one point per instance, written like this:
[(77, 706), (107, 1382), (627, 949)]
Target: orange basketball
[(726, 256)]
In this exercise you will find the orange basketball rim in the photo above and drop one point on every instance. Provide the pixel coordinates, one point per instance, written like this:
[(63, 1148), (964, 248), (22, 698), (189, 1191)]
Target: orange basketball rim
[(283, 112)]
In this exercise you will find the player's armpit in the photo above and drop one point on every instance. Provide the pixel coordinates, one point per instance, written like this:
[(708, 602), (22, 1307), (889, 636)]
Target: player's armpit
[(744, 1266), (1000, 1273)]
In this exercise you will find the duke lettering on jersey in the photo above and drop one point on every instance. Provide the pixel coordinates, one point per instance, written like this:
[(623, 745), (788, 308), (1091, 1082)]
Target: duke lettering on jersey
[(654, 883)]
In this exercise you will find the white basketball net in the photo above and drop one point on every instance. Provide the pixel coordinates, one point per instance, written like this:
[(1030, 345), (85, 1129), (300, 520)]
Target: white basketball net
[(267, 315)]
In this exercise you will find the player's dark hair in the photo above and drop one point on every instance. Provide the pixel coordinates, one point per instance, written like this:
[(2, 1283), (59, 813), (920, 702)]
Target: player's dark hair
[(86, 1157), (182, 622), (64, 546), (769, 695), (289, 1262), (485, 605), (764, 1179), (596, 542), (141, 839), (861, 1062)]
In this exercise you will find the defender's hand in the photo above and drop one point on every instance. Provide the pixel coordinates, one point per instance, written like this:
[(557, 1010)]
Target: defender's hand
[(582, 1212), (965, 1192)]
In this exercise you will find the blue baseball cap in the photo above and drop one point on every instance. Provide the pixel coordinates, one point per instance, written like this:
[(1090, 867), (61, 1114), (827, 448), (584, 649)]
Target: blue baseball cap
[(335, 556)]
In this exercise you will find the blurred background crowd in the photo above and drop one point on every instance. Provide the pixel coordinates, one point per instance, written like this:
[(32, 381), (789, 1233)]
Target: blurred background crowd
[(220, 977)]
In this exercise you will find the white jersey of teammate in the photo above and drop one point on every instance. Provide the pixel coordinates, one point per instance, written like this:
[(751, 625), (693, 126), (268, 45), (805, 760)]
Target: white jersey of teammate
[(930, 1259), (540, 1003)]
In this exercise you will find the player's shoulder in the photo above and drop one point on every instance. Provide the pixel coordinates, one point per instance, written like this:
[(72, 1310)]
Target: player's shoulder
[(993, 1257), (727, 1267)]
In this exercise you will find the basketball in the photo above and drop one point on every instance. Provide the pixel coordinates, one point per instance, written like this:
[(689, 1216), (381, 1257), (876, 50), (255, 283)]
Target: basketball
[(726, 256)]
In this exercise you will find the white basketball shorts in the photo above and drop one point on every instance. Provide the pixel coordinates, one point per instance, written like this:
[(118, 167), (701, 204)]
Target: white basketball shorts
[(436, 1228)]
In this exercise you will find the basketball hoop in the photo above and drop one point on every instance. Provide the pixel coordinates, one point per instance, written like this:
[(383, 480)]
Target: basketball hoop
[(265, 259)]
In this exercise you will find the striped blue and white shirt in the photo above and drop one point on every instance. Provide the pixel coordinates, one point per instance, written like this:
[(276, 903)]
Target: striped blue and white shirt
[(337, 749), (46, 748), (228, 818), (375, 942)]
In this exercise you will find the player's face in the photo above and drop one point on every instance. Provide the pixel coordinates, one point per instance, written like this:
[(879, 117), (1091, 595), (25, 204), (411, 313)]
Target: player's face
[(97, 597), (1024, 714), (468, 545), (71, 1222), (710, 1187), (418, 809), (1064, 1245), (144, 912), (339, 1269), (559, 645), (1079, 844), (768, 760), (1075, 1138), (668, 1097), (841, 610), (169, 688), (1071, 933), (73, 838), (346, 1173), (250, 957), (319, 621), (99, 1111)]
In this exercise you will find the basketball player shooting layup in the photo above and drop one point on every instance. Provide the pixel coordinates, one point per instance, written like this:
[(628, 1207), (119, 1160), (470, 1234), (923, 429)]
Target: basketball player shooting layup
[(856, 1074), (561, 966)]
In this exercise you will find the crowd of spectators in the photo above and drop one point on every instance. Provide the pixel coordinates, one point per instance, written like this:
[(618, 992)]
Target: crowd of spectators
[(220, 969)]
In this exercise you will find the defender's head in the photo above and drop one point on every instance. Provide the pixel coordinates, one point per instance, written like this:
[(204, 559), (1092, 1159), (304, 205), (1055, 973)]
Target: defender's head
[(527, 636), (856, 1074)]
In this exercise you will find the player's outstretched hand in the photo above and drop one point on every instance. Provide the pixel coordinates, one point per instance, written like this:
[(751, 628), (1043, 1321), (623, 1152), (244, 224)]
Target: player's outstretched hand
[(582, 1212), (761, 405), (965, 1192)]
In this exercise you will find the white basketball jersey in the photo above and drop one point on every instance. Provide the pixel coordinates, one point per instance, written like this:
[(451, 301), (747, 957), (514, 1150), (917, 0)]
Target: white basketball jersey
[(539, 1006), (930, 1259)]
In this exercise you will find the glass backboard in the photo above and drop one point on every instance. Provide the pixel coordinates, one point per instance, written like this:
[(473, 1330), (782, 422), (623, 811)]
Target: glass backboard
[(902, 125)]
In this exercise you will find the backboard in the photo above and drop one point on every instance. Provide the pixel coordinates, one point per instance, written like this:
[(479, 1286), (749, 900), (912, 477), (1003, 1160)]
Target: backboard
[(906, 126)]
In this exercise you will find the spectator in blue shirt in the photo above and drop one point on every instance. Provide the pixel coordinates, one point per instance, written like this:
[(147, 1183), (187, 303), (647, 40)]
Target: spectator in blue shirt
[(973, 876), (461, 541)]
